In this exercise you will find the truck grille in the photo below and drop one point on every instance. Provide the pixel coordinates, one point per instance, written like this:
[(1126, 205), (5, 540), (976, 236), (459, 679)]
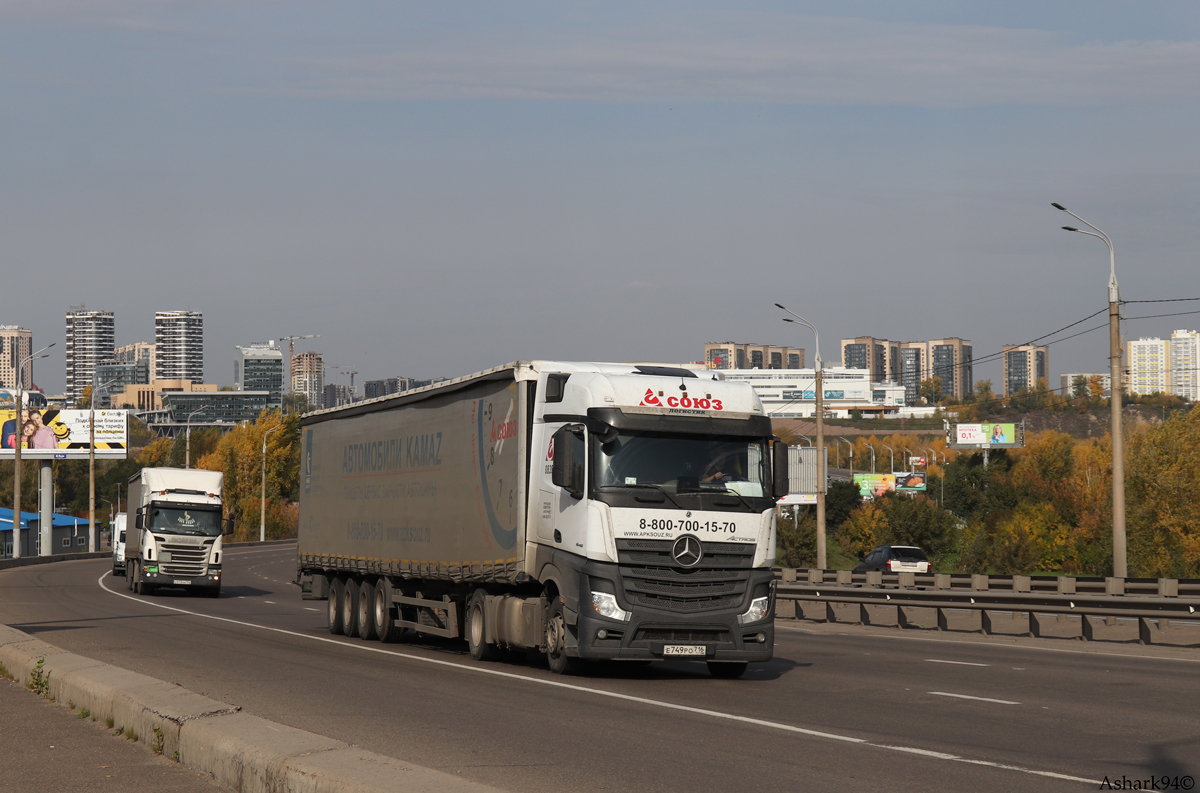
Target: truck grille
[(187, 561), (651, 577)]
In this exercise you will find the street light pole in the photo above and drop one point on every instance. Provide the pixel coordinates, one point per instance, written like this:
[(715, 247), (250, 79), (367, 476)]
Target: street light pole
[(872, 448), (820, 388), (18, 440), (892, 455), (262, 513), (187, 447), (851, 445), (92, 463), (1120, 567)]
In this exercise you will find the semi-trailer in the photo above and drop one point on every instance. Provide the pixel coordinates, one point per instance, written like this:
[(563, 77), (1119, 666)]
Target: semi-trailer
[(583, 510), (176, 537)]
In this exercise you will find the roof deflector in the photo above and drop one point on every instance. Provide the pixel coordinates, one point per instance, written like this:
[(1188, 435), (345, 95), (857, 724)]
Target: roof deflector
[(664, 371)]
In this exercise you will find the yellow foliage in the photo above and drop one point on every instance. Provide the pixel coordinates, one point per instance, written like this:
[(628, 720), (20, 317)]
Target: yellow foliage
[(1033, 537), (866, 527)]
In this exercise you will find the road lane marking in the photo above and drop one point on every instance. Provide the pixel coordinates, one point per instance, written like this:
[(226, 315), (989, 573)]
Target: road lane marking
[(977, 699), (716, 714), (960, 663), (310, 608)]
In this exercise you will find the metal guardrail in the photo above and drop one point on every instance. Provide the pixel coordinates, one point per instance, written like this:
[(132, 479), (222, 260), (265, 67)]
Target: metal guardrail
[(1142, 599)]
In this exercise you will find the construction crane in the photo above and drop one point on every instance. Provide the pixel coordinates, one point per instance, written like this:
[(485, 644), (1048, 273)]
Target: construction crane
[(344, 370), (291, 340)]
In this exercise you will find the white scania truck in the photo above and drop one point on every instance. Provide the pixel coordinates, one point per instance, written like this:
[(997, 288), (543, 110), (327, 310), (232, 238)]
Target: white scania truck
[(176, 536), (584, 510)]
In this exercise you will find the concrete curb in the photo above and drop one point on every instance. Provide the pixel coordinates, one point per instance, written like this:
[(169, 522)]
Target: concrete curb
[(242, 751)]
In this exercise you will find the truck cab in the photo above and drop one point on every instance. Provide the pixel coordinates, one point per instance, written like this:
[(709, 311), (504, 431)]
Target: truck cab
[(118, 545), (176, 539)]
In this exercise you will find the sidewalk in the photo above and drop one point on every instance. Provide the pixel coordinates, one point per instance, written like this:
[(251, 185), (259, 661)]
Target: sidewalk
[(49, 748)]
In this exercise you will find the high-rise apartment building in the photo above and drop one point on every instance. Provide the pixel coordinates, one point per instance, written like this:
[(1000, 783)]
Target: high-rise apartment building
[(1070, 382), (138, 351), (179, 339), (880, 356), (89, 341), (16, 344), (731, 355), (337, 395), (113, 377), (1024, 366), (390, 385), (259, 367), (1184, 355), (308, 377), (1147, 366), (910, 363)]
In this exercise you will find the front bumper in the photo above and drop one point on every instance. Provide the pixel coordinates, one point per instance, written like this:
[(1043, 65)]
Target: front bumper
[(647, 632), (151, 574)]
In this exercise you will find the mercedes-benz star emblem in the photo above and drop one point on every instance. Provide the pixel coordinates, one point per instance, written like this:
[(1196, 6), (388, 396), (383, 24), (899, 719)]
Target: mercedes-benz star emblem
[(687, 551)]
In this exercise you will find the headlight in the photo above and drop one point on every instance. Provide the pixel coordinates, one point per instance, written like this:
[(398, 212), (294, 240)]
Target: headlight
[(756, 612), (606, 606)]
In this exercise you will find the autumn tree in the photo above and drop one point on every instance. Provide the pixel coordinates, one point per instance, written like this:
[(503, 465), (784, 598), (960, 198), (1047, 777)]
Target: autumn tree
[(931, 390)]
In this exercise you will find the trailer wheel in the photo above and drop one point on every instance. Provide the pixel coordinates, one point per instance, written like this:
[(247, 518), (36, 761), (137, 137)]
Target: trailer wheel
[(364, 624), (130, 574), (728, 670), (336, 591), (477, 628), (556, 637), (381, 613), (350, 606)]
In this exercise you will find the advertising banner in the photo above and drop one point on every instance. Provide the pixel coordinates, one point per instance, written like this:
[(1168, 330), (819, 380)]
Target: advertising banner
[(872, 485), (989, 435), (918, 461), (53, 434), (910, 481)]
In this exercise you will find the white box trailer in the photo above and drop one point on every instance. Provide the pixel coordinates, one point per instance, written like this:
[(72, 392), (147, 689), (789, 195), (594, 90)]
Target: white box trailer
[(586, 510)]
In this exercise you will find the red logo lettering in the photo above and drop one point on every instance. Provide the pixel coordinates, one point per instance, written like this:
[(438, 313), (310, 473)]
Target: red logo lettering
[(650, 398)]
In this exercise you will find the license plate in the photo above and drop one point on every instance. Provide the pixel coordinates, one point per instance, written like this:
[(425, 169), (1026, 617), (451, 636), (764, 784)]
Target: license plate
[(683, 649), (181, 583)]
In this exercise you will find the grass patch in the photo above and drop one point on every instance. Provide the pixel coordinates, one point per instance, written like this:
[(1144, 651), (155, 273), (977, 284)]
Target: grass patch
[(130, 733), (84, 712), (157, 743), (39, 680), (5, 673), (109, 721)]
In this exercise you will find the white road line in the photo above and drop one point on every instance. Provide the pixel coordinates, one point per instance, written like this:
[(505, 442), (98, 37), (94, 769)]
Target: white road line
[(773, 725), (306, 608), (977, 699), (272, 602), (960, 663)]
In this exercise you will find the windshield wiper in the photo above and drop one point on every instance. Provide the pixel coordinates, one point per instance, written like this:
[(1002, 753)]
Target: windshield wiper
[(649, 486), (740, 498)]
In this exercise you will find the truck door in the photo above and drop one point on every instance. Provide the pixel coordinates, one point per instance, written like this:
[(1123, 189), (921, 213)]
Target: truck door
[(563, 515)]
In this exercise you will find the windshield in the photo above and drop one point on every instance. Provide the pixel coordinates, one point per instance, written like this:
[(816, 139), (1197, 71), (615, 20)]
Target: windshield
[(166, 520), (683, 464)]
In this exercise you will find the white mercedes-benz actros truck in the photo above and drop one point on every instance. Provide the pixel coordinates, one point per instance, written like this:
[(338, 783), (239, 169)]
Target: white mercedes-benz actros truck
[(584, 510)]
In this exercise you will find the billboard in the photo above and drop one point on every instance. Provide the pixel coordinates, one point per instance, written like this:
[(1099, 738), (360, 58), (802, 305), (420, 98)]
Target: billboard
[(988, 436), (872, 485), (910, 481), (53, 434)]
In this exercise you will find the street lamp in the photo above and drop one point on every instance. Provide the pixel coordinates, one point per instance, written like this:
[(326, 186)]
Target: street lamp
[(92, 461), (18, 439), (840, 439), (1120, 568), (262, 514), (892, 453), (805, 437), (110, 520), (820, 389), (187, 449)]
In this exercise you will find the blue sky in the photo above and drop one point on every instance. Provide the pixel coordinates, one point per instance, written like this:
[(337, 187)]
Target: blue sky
[(437, 188)]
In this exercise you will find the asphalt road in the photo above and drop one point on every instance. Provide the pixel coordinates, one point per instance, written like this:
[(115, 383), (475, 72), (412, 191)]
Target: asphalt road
[(838, 708)]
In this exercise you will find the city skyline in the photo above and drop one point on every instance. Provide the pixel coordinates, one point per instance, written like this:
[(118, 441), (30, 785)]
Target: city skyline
[(439, 190)]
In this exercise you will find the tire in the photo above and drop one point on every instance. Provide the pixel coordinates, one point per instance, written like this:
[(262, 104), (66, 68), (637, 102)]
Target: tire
[(350, 606), (130, 574), (381, 613), (556, 634), (727, 670), (336, 592), (476, 628), (364, 623)]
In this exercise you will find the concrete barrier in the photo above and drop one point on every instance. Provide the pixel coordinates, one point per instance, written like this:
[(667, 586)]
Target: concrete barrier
[(242, 751)]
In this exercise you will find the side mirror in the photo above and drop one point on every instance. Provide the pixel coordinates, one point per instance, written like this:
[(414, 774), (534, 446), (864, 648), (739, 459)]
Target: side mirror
[(228, 525), (138, 522), (779, 469), (567, 472)]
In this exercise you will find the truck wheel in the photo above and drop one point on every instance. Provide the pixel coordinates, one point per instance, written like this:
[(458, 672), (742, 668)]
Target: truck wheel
[(363, 622), (727, 670), (381, 613), (130, 574), (350, 606), (477, 628), (336, 592), (556, 637)]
